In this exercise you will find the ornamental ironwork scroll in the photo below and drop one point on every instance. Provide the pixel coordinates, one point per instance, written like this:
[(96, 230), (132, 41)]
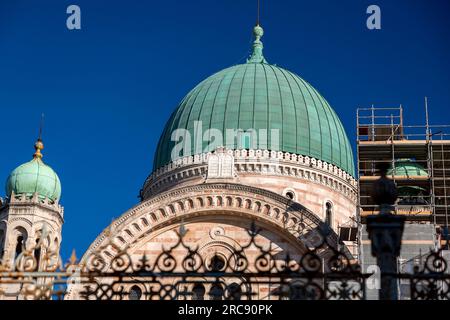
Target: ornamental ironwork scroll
[(321, 272), (429, 280), (267, 275)]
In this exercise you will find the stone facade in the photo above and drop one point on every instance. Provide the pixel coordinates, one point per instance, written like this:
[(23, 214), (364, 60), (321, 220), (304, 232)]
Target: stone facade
[(217, 195), (217, 217), (311, 182), (29, 224)]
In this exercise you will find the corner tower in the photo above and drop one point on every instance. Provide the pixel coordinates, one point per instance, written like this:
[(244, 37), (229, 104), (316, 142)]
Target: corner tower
[(31, 217)]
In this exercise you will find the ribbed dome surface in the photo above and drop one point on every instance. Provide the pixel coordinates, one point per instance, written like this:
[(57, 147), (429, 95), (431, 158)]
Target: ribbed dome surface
[(261, 96)]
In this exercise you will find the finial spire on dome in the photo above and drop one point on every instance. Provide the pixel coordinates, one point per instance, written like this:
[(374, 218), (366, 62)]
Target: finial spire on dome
[(39, 145), (257, 54), (257, 13)]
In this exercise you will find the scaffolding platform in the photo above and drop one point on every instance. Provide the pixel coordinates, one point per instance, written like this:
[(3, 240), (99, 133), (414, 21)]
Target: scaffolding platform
[(419, 161)]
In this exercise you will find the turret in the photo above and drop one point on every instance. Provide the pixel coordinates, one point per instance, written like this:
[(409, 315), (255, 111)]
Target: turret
[(31, 217)]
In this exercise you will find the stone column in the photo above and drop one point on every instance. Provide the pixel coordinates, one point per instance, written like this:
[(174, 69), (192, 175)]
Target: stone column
[(385, 232)]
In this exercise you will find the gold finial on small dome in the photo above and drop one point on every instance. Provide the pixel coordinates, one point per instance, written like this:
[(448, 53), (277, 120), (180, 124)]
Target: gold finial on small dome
[(38, 146)]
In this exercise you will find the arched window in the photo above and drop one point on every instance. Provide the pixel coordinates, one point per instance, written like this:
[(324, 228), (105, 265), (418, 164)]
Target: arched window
[(2, 238), (37, 252), (329, 214), (290, 194), (19, 245), (198, 292), (135, 293), (2, 243)]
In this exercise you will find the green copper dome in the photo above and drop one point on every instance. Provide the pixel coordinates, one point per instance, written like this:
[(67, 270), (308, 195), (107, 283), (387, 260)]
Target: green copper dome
[(34, 177), (407, 167), (259, 96)]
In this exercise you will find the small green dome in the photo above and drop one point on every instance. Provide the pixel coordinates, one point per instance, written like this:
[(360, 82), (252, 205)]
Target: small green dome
[(34, 177), (407, 167), (257, 95)]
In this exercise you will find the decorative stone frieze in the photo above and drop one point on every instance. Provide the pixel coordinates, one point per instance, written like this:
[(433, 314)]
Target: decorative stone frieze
[(31, 219), (207, 200), (262, 162)]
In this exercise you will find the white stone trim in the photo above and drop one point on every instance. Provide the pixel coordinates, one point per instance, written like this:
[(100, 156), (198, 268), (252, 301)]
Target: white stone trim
[(257, 161), (183, 203), (22, 200)]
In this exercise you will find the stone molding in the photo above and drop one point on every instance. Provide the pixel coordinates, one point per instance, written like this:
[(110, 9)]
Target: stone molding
[(207, 199), (254, 161), (28, 205)]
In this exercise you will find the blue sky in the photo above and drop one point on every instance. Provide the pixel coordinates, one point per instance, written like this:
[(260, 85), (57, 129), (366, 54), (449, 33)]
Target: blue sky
[(108, 89)]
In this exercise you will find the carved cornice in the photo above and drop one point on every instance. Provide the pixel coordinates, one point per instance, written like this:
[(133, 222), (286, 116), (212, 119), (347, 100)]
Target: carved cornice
[(28, 203), (255, 162)]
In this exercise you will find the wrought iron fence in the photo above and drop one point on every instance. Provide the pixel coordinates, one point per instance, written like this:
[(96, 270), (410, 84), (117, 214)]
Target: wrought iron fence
[(321, 272), (429, 281)]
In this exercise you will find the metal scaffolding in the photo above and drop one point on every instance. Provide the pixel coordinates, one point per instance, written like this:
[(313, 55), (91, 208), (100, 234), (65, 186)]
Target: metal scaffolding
[(419, 161)]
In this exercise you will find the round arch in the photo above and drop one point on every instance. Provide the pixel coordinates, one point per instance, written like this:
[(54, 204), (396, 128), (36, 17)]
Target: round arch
[(209, 203), (207, 200)]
